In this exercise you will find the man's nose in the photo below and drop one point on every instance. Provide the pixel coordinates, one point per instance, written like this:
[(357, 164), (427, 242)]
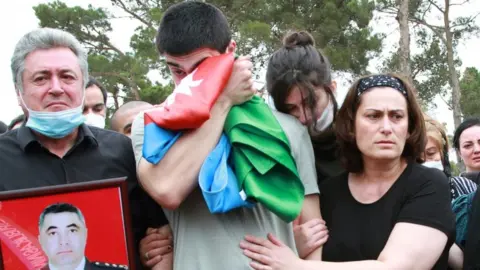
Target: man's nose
[(63, 239), (56, 86)]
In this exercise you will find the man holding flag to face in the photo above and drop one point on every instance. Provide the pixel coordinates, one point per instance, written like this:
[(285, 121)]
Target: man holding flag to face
[(212, 112)]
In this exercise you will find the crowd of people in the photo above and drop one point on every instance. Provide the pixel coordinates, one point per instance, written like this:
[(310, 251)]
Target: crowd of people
[(378, 189)]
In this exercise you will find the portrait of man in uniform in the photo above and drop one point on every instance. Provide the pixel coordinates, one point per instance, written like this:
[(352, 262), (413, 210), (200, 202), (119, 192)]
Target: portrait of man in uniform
[(63, 238)]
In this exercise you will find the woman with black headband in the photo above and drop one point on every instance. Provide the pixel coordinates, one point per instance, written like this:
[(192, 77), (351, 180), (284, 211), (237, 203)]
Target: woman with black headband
[(387, 211)]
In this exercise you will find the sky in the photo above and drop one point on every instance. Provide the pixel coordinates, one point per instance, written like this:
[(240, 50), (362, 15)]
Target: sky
[(14, 28)]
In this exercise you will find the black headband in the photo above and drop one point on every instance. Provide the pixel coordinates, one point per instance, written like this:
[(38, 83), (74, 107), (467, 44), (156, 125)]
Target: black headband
[(381, 80)]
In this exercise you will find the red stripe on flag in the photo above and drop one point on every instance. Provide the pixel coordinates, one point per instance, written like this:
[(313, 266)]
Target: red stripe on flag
[(189, 105)]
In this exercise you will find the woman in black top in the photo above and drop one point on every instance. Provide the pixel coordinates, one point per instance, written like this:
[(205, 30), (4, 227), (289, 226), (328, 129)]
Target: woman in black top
[(299, 82), (387, 212)]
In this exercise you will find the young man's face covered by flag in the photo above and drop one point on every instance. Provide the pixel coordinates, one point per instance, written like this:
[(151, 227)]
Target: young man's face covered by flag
[(181, 66)]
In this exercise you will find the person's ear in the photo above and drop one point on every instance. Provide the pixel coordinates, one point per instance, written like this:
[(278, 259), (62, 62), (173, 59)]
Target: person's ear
[(19, 101), (333, 87), (232, 46)]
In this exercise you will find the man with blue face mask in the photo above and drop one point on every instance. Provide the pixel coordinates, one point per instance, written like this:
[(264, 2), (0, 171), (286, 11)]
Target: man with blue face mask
[(55, 146)]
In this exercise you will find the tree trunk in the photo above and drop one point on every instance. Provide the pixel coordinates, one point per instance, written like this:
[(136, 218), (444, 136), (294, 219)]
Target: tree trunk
[(128, 80), (404, 44), (134, 89), (115, 98), (454, 82)]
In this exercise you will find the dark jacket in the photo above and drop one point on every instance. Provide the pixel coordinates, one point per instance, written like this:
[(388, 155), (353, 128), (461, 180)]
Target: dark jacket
[(471, 258)]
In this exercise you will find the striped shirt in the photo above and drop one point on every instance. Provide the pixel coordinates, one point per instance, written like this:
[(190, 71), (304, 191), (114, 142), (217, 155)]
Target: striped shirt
[(461, 185)]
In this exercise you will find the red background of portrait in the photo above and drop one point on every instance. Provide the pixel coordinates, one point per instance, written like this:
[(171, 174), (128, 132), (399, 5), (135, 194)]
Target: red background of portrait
[(103, 212)]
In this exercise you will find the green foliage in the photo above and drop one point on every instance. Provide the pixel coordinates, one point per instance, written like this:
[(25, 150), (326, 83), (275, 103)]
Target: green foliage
[(455, 168), (430, 71), (470, 92), (120, 72), (153, 93), (340, 28), (142, 43)]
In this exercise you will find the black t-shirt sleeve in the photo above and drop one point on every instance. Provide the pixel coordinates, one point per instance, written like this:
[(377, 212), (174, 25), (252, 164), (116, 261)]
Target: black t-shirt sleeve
[(428, 200)]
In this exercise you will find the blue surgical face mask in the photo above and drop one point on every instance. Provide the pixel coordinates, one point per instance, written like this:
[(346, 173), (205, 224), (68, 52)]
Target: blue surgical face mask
[(55, 125)]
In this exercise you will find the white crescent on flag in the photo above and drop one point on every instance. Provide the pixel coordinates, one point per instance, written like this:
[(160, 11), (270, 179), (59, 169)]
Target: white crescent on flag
[(184, 87)]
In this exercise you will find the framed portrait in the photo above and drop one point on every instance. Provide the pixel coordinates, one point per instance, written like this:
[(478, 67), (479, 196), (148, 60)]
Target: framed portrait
[(74, 226)]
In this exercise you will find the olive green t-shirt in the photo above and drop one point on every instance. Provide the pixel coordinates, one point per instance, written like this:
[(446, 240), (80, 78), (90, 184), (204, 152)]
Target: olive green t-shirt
[(206, 241)]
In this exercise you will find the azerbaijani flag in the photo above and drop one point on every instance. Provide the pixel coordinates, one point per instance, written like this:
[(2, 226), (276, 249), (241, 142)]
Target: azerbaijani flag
[(188, 107), (252, 161)]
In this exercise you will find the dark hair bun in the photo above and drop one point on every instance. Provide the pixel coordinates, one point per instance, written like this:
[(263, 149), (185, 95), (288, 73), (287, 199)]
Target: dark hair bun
[(294, 39)]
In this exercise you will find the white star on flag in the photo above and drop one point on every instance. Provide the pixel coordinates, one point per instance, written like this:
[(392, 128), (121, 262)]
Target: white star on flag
[(184, 87)]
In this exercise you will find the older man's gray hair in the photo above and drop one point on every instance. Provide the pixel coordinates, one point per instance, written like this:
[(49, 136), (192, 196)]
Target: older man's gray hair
[(46, 38)]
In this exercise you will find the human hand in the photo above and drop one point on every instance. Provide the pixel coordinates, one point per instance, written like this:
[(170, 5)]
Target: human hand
[(239, 88), (155, 245), (309, 236), (269, 254)]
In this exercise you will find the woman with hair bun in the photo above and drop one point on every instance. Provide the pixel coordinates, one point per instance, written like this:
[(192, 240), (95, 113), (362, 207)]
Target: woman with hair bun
[(299, 82)]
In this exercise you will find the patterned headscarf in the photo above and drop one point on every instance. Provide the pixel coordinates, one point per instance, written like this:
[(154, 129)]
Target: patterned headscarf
[(381, 80)]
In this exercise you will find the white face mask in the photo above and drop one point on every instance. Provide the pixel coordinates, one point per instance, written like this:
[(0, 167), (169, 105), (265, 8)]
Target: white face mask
[(96, 120), (434, 164), (326, 119)]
